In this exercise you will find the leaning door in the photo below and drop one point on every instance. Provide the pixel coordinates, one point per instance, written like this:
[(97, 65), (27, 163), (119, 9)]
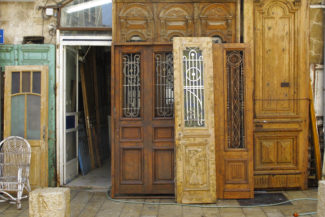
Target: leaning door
[(194, 121), (70, 165), (26, 114), (143, 135), (233, 120)]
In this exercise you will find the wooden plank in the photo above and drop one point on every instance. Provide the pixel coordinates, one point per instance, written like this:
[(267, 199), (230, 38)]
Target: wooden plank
[(86, 113), (315, 136), (97, 139)]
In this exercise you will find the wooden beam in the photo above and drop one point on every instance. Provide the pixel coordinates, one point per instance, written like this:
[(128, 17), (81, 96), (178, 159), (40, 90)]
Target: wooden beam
[(97, 139), (315, 136), (86, 113)]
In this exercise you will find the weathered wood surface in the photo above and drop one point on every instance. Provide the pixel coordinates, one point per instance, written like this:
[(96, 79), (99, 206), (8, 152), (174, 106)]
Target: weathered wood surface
[(161, 22), (37, 138), (87, 118), (195, 146), (317, 152), (281, 91)]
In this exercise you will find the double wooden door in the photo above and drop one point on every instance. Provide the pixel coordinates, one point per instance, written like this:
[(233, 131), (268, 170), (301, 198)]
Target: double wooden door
[(143, 111)]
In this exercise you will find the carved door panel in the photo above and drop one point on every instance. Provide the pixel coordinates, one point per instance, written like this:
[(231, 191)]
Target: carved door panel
[(143, 150), (194, 120), (281, 93), (26, 115), (233, 120)]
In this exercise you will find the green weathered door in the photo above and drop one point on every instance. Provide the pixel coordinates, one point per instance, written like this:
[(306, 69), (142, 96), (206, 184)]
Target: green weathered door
[(35, 54)]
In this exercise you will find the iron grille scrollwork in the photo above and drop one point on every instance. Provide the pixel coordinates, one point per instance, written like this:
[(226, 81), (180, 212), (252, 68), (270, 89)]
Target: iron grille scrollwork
[(193, 87), (131, 85), (235, 99), (164, 85)]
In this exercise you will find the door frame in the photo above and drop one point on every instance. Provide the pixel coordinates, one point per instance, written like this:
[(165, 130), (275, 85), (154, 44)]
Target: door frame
[(62, 41)]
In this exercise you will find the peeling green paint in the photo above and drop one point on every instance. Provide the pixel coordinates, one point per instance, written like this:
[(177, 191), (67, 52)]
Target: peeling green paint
[(36, 54)]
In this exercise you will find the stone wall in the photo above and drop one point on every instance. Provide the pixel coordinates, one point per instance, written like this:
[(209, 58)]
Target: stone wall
[(316, 34), (19, 19)]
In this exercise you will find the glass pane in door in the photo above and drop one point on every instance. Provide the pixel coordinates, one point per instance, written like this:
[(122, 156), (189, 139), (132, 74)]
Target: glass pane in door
[(18, 115), (33, 117)]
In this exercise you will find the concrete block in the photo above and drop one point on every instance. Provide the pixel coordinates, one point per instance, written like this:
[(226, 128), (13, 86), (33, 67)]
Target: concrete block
[(321, 199), (49, 202)]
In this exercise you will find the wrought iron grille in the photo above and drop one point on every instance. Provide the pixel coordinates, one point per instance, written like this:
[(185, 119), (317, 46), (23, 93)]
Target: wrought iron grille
[(164, 85), (193, 87), (131, 85), (235, 99)]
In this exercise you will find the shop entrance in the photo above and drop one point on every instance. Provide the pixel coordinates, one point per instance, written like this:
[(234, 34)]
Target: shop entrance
[(83, 117)]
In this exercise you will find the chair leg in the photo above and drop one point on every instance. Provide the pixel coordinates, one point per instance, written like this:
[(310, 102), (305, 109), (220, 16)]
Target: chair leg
[(19, 195), (18, 204)]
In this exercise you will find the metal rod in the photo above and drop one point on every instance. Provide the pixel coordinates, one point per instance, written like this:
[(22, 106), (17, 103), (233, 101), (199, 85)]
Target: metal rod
[(323, 6)]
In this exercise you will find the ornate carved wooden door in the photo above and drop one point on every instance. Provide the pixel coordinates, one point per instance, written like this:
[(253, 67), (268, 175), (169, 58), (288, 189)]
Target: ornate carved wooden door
[(26, 115), (194, 121), (143, 150), (233, 120), (281, 93)]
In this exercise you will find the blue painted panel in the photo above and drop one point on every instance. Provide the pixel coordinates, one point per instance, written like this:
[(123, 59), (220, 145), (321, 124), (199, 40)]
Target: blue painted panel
[(2, 36)]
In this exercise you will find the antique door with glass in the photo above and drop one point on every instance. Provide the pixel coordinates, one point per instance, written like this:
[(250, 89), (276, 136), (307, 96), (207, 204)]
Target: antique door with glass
[(26, 114), (233, 120), (70, 153), (213, 120), (143, 135), (194, 120)]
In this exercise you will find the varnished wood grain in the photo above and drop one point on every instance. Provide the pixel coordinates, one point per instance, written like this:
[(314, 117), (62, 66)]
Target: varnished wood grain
[(234, 165), (281, 91), (143, 147), (161, 22)]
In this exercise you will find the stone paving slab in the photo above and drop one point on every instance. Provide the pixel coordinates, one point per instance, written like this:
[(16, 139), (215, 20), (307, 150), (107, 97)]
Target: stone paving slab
[(96, 204)]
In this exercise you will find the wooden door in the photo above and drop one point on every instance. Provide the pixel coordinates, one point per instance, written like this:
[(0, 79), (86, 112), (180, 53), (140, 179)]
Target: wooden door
[(26, 114), (281, 93), (194, 121), (143, 135), (233, 120)]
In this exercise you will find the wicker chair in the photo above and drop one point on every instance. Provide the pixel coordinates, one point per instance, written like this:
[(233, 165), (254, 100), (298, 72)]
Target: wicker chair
[(15, 154)]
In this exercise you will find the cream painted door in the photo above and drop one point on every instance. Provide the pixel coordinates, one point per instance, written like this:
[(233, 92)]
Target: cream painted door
[(26, 114), (194, 120), (70, 165)]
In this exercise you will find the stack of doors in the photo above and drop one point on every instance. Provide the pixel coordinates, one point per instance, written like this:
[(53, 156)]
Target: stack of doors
[(209, 88)]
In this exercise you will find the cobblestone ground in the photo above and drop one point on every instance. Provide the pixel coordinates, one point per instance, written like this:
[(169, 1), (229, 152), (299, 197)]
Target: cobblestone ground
[(89, 204)]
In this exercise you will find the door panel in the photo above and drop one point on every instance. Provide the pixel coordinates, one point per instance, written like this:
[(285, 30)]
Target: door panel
[(281, 93), (26, 114), (276, 82), (143, 120), (194, 120), (71, 168), (233, 120)]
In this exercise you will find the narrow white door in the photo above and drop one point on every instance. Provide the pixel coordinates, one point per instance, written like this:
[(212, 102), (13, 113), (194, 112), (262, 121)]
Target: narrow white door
[(70, 154)]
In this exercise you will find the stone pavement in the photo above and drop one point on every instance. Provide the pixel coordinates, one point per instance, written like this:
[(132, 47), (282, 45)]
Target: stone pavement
[(95, 204)]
